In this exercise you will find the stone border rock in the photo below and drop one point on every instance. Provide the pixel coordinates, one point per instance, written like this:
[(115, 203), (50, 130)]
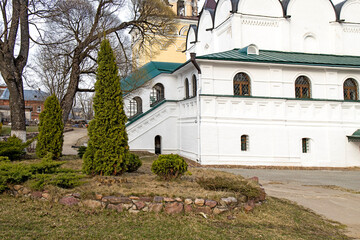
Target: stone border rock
[(135, 204)]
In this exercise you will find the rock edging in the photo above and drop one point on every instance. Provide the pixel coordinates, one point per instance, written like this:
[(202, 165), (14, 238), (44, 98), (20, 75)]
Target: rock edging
[(157, 204)]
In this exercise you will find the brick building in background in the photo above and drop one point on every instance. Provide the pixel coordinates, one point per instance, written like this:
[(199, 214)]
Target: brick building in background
[(34, 104)]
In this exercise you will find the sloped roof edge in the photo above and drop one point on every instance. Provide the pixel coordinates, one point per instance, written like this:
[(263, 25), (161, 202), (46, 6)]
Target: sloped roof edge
[(297, 58)]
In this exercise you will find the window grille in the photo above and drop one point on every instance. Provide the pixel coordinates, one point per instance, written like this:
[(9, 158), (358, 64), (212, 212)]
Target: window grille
[(244, 143), (302, 87), (305, 145), (132, 108), (157, 94), (242, 84), (350, 89)]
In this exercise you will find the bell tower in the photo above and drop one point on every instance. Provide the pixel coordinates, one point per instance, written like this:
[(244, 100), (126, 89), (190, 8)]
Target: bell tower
[(187, 13)]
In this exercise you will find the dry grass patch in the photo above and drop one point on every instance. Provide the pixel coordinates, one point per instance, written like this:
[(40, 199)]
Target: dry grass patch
[(23, 218), (143, 182)]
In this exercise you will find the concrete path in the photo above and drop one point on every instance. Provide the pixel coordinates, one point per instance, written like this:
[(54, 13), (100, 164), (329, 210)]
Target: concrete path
[(70, 139), (295, 185)]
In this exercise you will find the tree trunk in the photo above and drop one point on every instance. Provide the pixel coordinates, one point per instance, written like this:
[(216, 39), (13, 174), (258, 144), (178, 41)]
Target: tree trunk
[(12, 65), (17, 108), (67, 101)]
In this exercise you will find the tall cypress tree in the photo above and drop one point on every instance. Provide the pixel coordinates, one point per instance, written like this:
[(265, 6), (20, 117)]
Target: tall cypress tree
[(51, 129), (108, 140)]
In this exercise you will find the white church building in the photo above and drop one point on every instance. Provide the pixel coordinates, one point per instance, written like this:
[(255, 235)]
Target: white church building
[(267, 82)]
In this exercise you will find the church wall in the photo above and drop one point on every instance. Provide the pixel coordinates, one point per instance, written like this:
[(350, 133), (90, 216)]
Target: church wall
[(275, 128), (274, 120), (160, 122), (174, 121), (271, 8), (276, 80), (303, 29), (168, 81)]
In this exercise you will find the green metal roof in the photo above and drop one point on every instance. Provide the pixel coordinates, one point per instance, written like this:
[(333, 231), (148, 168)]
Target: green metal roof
[(146, 73), (266, 56), (355, 137)]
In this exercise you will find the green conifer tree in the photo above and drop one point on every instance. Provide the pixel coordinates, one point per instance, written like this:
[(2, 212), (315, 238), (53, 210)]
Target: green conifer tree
[(51, 129), (108, 140)]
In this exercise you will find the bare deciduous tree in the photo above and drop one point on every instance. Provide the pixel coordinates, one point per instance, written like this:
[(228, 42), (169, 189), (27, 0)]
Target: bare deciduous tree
[(14, 29), (85, 103), (76, 27)]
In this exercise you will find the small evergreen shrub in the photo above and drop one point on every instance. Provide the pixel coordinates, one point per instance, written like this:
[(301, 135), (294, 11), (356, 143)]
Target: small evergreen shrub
[(46, 172), (13, 148), (63, 180), (169, 166), (244, 187), (11, 173), (81, 151), (51, 129), (133, 162)]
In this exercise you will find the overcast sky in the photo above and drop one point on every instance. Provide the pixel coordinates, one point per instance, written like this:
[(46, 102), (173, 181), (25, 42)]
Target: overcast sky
[(202, 2)]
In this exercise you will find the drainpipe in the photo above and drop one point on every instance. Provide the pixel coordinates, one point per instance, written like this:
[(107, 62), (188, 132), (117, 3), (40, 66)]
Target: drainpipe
[(198, 112)]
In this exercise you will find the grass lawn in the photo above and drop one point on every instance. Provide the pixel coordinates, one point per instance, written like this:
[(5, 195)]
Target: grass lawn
[(24, 218), (7, 129)]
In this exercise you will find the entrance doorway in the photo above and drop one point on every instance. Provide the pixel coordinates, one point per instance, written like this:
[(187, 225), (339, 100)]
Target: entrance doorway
[(158, 144)]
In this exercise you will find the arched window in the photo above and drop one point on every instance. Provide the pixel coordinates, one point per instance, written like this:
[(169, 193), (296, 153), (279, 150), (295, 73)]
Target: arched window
[(194, 85), (350, 89), (302, 87), (242, 84), (186, 88), (157, 94), (305, 145), (135, 106), (244, 143)]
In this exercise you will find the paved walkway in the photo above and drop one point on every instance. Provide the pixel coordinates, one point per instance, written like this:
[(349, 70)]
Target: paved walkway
[(337, 205), (70, 139)]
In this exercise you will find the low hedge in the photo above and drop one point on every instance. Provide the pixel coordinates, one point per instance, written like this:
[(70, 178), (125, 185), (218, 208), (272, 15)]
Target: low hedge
[(133, 162), (169, 167)]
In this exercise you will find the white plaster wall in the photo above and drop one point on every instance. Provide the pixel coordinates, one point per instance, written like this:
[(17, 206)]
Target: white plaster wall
[(266, 33), (350, 11), (187, 127), (163, 122), (307, 21), (205, 37), (271, 8), (222, 12), (276, 80), (275, 128)]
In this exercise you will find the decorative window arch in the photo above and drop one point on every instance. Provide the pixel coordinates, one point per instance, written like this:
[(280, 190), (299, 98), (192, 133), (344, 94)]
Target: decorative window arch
[(242, 84), (305, 145), (350, 89), (187, 95), (157, 94), (302, 87), (244, 143), (135, 106), (194, 85)]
